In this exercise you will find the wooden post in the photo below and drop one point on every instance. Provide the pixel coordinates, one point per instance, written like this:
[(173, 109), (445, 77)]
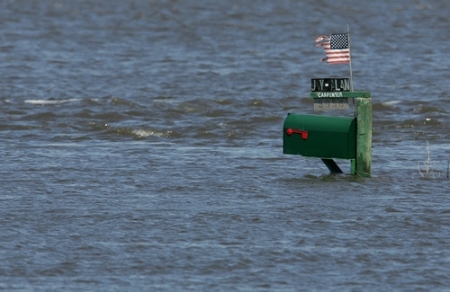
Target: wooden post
[(362, 165)]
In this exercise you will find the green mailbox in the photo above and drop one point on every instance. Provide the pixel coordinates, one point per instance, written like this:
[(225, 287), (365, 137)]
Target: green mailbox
[(320, 136)]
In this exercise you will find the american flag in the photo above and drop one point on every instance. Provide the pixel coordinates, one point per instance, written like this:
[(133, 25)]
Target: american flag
[(336, 48)]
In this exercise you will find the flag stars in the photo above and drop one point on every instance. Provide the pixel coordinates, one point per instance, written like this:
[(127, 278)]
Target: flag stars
[(337, 48)]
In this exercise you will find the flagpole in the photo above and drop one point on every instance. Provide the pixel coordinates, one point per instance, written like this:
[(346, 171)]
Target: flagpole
[(350, 55)]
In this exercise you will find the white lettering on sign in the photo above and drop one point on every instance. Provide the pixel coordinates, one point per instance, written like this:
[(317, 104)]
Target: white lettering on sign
[(331, 104), (329, 94), (330, 84)]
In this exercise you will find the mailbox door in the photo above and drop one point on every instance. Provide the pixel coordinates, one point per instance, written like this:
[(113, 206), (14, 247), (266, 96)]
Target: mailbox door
[(320, 136)]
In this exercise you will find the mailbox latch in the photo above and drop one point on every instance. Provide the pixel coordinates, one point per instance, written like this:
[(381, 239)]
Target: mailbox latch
[(304, 133)]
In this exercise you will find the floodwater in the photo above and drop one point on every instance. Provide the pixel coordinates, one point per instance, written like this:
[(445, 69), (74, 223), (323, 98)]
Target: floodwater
[(141, 147)]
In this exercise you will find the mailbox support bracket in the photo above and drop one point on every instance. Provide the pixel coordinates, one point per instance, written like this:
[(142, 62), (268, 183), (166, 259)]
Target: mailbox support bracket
[(332, 165)]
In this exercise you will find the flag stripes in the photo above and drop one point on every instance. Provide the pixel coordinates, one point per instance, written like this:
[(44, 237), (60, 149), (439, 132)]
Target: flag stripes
[(336, 47)]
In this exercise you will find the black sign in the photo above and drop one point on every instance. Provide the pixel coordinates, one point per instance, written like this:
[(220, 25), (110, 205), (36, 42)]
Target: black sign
[(330, 84)]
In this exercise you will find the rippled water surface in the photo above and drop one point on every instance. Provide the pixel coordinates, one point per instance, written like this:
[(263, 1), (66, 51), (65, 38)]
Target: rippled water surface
[(141, 147)]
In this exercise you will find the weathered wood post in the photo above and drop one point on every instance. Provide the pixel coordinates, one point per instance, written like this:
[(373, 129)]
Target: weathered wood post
[(362, 165)]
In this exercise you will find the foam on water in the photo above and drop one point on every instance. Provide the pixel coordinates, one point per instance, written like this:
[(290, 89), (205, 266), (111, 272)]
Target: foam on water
[(51, 101)]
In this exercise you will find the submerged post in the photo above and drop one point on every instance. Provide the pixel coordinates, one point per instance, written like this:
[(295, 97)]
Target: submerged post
[(362, 165)]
